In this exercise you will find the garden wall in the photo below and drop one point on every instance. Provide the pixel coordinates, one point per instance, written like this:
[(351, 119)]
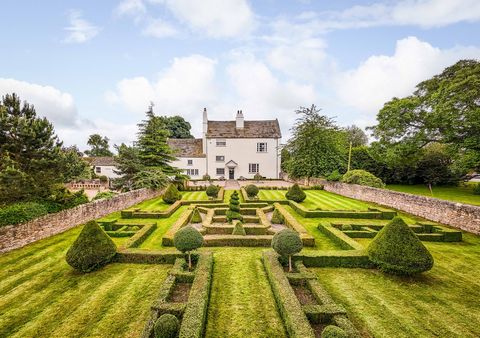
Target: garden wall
[(458, 215), (16, 236)]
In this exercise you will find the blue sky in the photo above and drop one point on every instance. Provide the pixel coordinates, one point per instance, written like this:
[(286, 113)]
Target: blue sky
[(94, 66)]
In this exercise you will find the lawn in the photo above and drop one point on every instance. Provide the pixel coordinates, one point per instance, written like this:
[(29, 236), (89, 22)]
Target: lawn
[(194, 196), (462, 194), (41, 296), (443, 302)]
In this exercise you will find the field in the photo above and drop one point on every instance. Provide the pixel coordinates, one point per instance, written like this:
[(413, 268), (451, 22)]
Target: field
[(462, 194)]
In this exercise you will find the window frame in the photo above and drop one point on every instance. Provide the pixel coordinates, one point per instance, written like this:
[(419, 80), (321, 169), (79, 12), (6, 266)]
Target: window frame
[(221, 142), (217, 156), (220, 171), (252, 167), (189, 162), (260, 145)]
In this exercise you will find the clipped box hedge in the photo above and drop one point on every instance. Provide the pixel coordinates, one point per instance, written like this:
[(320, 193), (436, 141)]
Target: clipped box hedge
[(167, 239), (139, 237)]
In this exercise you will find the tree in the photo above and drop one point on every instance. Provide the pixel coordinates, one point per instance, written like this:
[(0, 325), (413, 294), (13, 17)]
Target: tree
[(177, 126), (434, 166), (187, 239), (73, 166), (317, 146), (128, 165), (287, 242), (356, 136), (98, 146)]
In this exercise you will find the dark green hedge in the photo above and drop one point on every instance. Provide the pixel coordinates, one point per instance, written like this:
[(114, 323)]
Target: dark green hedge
[(21, 212)]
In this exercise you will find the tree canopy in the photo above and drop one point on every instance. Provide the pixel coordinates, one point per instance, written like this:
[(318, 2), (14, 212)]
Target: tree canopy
[(356, 136), (176, 126), (98, 146)]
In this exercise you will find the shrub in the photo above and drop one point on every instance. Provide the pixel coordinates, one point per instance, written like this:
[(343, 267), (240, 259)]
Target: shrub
[(206, 177), (104, 195), (133, 228), (172, 194), (476, 189), (252, 190), (295, 193), (334, 176), (166, 326), (396, 249), (346, 227), (362, 177), (277, 217), (21, 212), (92, 249), (332, 331), (212, 191), (287, 243), (103, 178), (258, 177), (196, 218), (316, 187), (187, 239), (239, 229), (234, 208)]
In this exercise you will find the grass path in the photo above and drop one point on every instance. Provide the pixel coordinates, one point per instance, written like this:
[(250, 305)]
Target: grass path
[(444, 302), (462, 194), (241, 303)]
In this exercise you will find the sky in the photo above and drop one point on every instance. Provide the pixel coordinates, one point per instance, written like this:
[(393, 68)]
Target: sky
[(95, 66)]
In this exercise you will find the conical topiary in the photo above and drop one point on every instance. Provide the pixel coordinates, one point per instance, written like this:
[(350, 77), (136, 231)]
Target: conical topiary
[(171, 194), (239, 229), (277, 217), (92, 249), (196, 218), (396, 249), (234, 208), (295, 193)]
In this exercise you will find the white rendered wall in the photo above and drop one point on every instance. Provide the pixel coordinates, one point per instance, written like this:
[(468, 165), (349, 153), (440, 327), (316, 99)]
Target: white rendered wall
[(106, 170), (198, 163)]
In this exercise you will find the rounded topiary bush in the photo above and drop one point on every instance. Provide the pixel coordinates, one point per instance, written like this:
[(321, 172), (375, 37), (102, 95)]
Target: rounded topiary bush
[(92, 249), (252, 190), (347, 227), (239, 229), (277, 217), (362, 177), (287, 243), (396, 249), (212, 191), (295, 193), (332, 331), (166, 326), (187, 239), (171, 194), (195, 218)]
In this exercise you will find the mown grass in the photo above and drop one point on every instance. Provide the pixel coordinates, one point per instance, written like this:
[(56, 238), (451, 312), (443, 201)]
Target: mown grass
[(462, 194), (194, 196), (41, 296), (443, 302)]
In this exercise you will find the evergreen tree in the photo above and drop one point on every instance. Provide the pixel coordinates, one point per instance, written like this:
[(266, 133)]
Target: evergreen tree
[(98, 146), (233, 211)]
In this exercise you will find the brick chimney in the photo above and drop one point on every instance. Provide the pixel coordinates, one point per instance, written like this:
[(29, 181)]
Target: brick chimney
[(239, 120)]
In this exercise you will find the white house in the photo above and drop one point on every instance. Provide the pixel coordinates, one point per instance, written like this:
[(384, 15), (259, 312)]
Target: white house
[(103, 166), (231, 149)]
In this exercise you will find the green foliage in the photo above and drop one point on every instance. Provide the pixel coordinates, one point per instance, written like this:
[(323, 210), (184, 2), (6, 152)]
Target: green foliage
[(61, 198), (277, 217), (128, 165), (187, 239), (362, 177), (317, 146), (332, 331), (206, 177), (239, 229), (196, 217), (252, 190), (166, 326), (171, 194), (21, 212), (98, 146), (103, 178), (151, 178), (104, 195), (295, 193), (334, 176), (212, 191), (92, 249), (347, 227), (356, 136), (176, 126), (476, 189), (397, 250), (257, 177), (234, 208), (434, 165), (286, 243), (362, 158)]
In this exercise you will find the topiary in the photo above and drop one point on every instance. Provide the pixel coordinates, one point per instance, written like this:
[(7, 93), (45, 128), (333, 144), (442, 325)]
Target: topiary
[(212, 191), (332, 331), (133, 228), (195, 218), (258, 177), (234, 208), (347, 227), (295, 193), (92, 249), (187, 239), (362, 177), (166, 326), (277, 217), (171, 194), (334, 176), (252, 190), (239, 229), (287, 242), (396, 249)]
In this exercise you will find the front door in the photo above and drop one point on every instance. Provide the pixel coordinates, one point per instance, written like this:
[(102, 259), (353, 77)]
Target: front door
[(231, 174)]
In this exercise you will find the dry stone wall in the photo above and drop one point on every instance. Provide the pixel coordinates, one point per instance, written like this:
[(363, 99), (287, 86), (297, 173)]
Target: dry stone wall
[(16, 236)]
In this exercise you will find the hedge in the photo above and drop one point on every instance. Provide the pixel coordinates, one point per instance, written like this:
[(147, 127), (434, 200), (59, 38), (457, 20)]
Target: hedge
[(340, 238), (335, 258), (147, 257), (21, 212), (139, 237), (167, 239)]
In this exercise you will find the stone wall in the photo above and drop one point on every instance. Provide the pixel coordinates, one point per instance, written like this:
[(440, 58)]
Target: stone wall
[(16, 236), (458, 215)]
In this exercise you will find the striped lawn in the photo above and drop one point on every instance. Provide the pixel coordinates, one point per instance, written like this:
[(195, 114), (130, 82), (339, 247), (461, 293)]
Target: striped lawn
[(41, 296), (443, 302), (194, 196)]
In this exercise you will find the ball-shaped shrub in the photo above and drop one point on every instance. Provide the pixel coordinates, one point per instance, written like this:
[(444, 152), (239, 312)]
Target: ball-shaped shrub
[(332, 331), (362, 177), (171, 194), (295, 193), (212, 191), (92, 249), (286, 243), (187, 239), (252, 190), (397, 250), (166, 326), (239, 229)]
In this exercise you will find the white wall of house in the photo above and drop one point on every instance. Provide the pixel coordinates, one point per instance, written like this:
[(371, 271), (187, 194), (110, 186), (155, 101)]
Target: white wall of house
[(244, 152), (106, 170), (195, 167)]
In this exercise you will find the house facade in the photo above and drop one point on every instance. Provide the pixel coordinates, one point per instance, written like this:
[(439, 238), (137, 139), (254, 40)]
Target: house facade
[(103, 166), (231, 149)]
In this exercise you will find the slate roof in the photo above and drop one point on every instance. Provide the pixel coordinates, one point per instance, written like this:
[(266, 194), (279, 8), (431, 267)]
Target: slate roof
[(188, 147), (252, 129), (101, 161)]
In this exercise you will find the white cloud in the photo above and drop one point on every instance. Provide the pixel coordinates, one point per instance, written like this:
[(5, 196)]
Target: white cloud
[(80, 30), (382, 77), (57, 106), (130, 7), (159, 29)]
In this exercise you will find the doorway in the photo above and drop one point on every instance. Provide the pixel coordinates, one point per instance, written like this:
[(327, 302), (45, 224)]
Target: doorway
[(231, 173)]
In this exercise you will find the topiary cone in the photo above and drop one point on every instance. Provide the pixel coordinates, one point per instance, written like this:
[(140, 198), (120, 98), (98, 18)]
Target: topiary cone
[(295, 193), (92, 249), (196, 218), (239, 229), (396, 249)]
